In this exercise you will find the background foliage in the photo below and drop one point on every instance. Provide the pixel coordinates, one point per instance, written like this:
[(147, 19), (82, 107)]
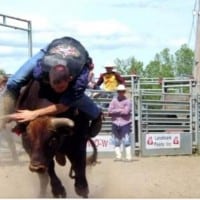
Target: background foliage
[(164, 64)]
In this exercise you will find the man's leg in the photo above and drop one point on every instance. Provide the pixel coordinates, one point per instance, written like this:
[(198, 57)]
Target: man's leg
[(23, 74), (117, 142), (94, 113), (95, 126), (125, 131)]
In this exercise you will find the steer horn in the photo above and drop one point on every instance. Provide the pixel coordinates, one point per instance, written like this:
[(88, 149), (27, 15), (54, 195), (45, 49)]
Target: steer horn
[(59, 122)]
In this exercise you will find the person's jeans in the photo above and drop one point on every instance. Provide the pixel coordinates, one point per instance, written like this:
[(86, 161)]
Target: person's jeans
[(88, 106), (23, 74), (121, 134)]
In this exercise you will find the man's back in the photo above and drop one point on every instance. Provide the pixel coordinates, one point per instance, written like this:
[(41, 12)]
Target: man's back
[(65, 51)]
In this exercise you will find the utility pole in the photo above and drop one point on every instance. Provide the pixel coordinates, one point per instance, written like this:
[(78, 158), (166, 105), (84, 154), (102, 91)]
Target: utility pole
[(196, 71)]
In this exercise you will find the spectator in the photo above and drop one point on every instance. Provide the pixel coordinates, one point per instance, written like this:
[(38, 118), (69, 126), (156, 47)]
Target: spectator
[(110, 79), (120, 111)]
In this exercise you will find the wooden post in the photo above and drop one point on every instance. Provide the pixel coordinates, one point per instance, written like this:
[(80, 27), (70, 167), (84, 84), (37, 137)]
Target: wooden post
[(196, 71)]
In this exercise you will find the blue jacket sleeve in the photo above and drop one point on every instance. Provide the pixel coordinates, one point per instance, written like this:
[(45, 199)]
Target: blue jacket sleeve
[(24, 73)]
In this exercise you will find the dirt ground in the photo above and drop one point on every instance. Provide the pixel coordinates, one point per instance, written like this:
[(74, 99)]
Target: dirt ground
[(145, 177)]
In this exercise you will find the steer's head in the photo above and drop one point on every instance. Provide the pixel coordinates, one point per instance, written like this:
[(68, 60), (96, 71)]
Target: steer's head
[(42, 138)]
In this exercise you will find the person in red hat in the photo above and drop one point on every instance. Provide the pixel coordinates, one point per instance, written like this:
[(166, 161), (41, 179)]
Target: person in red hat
[(110, 79)]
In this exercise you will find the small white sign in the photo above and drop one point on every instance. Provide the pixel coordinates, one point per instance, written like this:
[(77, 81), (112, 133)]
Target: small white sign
[(163, 141), (103, 143)]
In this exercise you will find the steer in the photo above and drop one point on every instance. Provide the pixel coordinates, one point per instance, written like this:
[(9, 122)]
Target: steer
[(45, 137)]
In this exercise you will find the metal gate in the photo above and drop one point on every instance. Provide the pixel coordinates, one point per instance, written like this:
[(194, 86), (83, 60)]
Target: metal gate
[(165, 115)]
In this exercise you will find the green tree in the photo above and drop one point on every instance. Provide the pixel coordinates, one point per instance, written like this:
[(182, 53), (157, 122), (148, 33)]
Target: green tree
[(184, 61), (2, 72), (164, 64), (129, 66), (161, 66), (153, 69)]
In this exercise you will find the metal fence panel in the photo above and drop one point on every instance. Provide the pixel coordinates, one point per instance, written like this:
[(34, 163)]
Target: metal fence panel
[(166, 128), (162, 109)]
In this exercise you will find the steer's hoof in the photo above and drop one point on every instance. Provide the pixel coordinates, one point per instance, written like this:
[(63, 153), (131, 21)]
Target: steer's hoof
[(60, 194), (82, 191), (60, 158)]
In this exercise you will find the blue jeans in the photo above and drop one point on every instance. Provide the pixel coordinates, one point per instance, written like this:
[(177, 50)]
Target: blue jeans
[(88, 106), (23, 74), (121, 134)]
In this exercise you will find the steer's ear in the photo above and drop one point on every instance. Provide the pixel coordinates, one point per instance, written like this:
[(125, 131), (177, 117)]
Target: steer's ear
[(61, 122)]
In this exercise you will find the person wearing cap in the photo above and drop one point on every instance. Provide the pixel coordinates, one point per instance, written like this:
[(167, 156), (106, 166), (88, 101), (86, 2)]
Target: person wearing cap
[(120, 112), (63, 78), (110, 79)]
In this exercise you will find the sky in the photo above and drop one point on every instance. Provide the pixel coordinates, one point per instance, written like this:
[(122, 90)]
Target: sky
[(108, 29)]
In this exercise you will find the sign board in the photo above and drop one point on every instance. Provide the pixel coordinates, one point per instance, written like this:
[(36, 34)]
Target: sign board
[(162, 141), (103, 143)]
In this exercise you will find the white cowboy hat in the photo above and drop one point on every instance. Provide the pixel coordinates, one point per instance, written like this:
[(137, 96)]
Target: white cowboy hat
[(121, 87), (110, 64)]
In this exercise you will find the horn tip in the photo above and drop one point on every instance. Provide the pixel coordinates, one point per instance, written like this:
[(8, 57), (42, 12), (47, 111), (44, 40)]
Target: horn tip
[(71, 123)]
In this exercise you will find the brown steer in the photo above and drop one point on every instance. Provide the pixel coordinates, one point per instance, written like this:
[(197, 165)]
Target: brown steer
[(45, 137)]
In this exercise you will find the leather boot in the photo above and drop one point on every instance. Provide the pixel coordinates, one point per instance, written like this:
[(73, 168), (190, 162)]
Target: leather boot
[(95, 126)]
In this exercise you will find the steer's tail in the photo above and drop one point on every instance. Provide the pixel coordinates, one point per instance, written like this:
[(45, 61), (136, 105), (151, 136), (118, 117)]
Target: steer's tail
[(92, 159)]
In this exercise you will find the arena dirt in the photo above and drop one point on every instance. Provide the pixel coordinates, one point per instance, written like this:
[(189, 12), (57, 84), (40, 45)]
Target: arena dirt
[(145, 177)]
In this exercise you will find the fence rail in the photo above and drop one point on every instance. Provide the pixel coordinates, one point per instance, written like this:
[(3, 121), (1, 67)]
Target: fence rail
[(160, 107)]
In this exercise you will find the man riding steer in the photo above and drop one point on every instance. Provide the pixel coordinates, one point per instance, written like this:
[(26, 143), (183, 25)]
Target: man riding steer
[(45, 137), (62, 71)]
